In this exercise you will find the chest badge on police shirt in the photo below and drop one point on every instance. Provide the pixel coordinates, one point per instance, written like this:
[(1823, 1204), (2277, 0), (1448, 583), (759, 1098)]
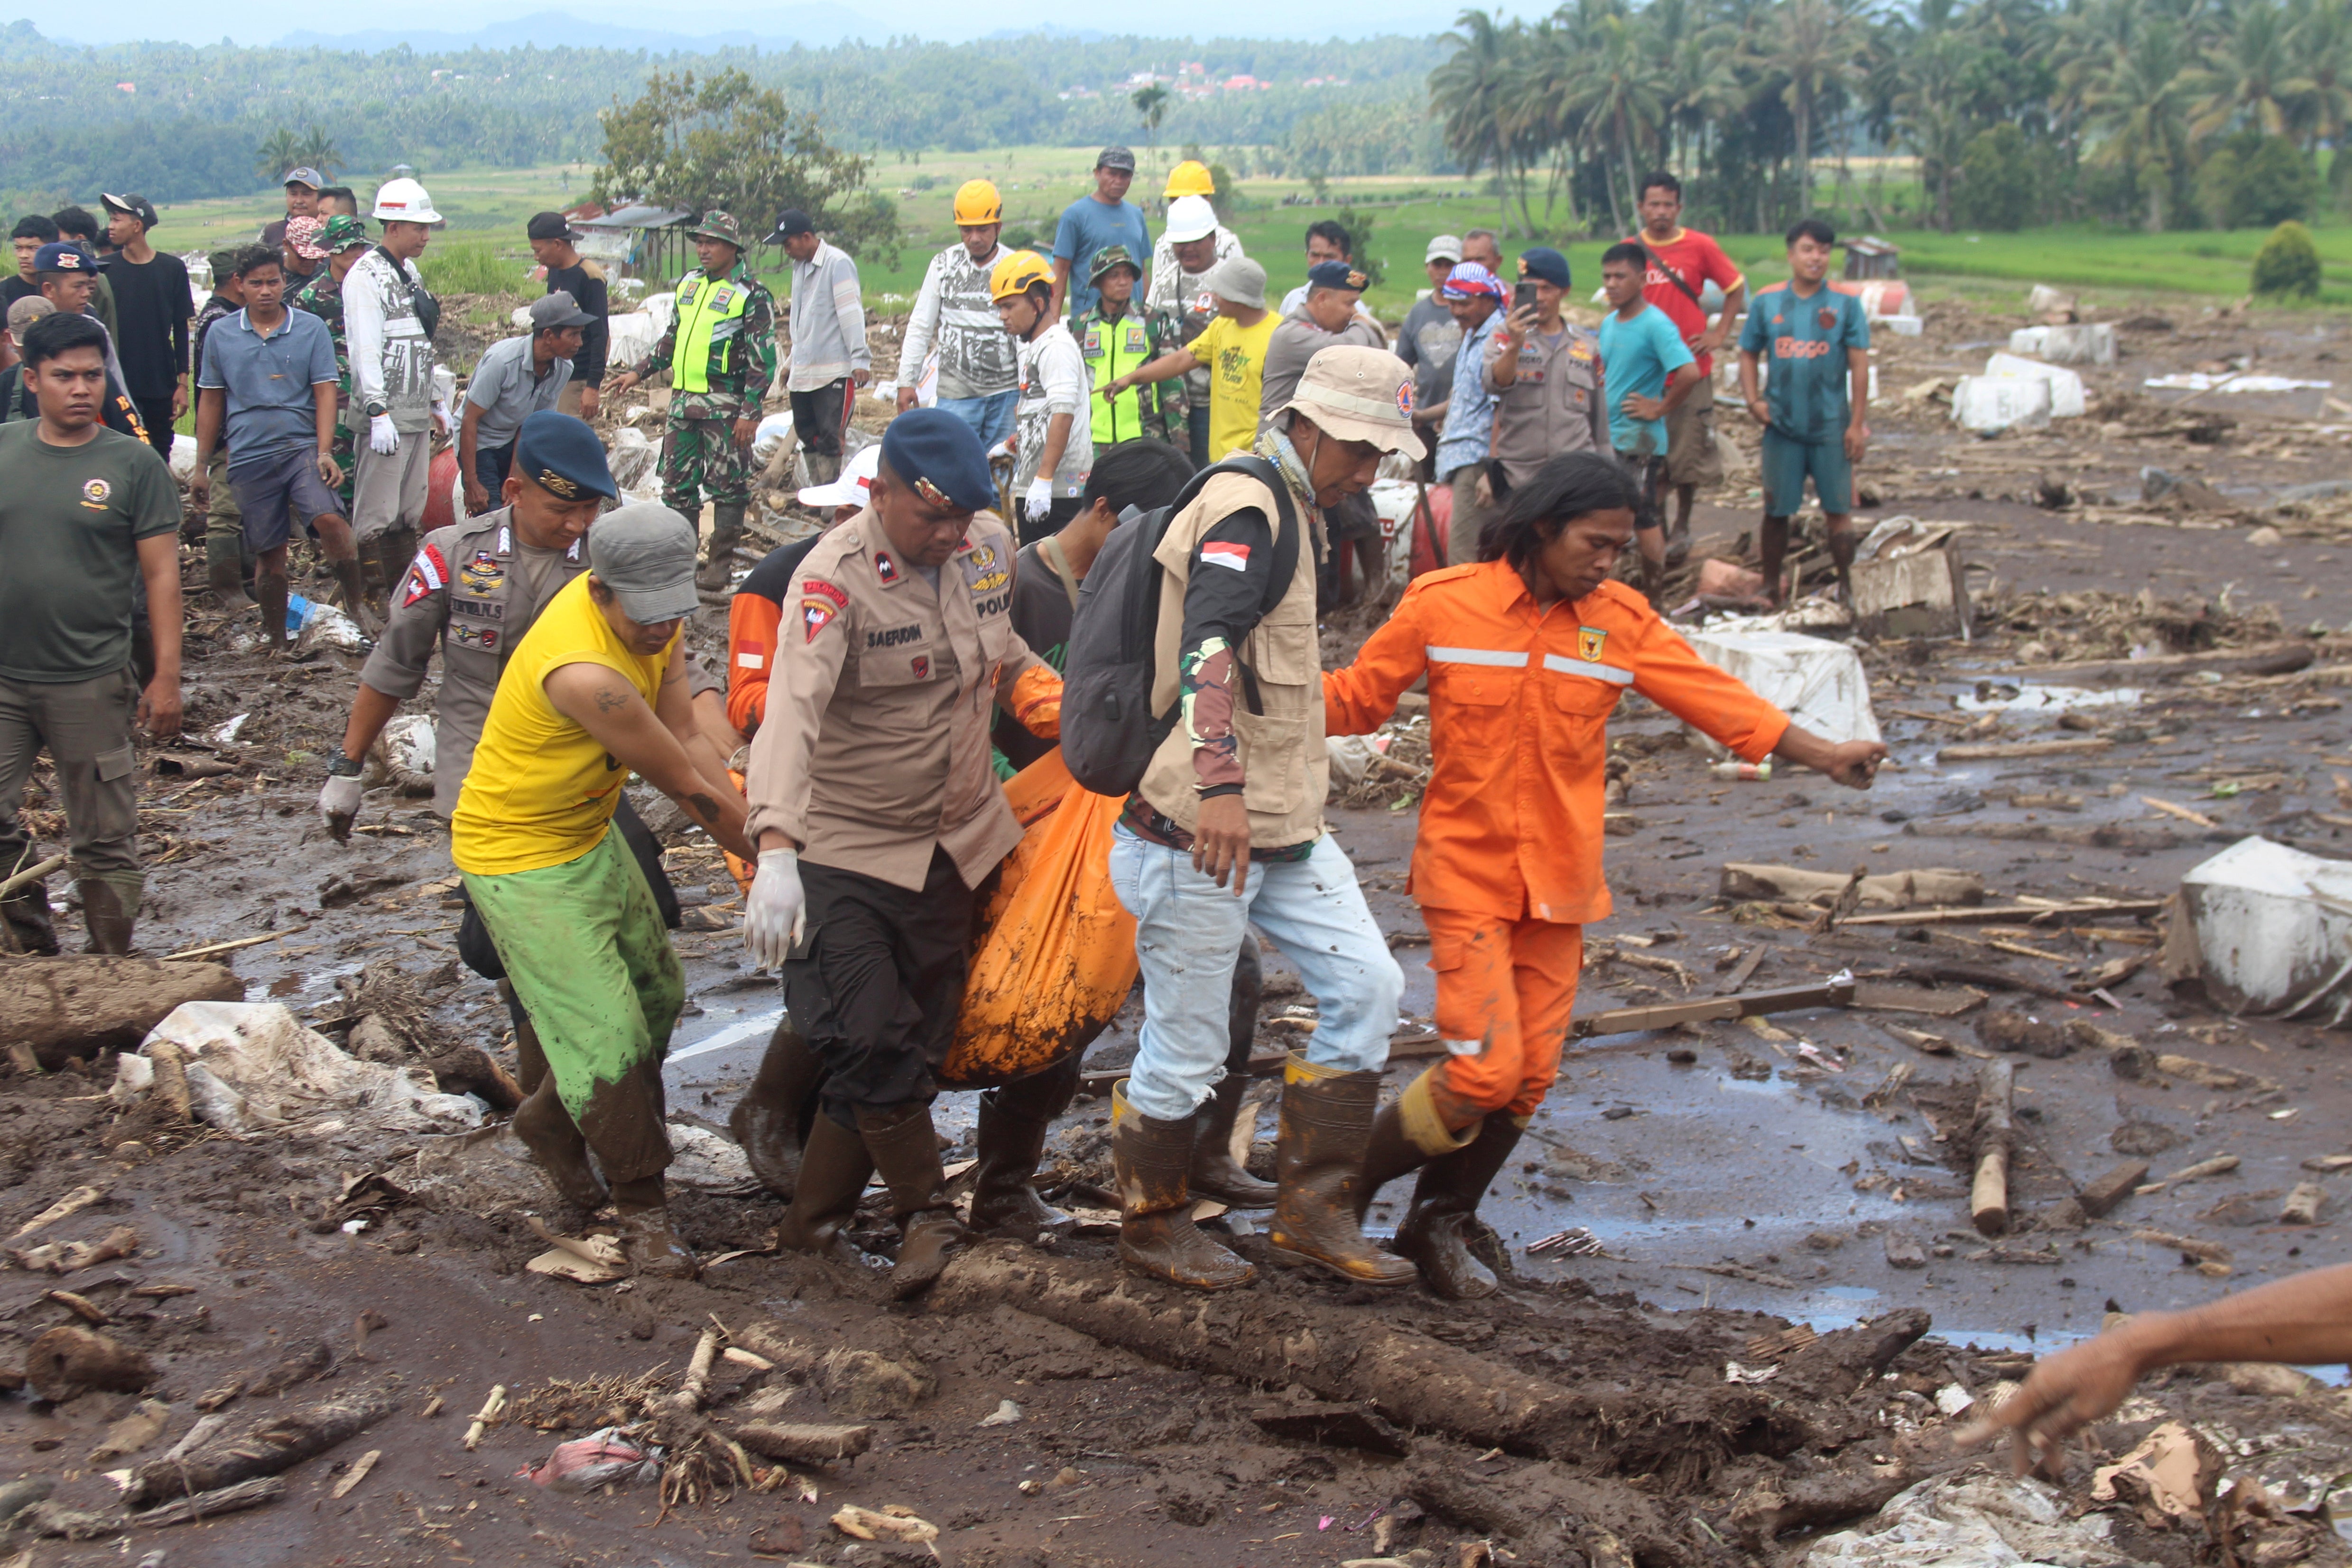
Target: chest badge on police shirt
[(483, 573), (922, 667), (1589, 643)]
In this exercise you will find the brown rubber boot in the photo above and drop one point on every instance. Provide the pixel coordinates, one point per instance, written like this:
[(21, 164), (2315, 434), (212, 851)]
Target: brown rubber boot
[(652, 1247), (834, 1170), (716, 573), (767, 1120), (1013, 1123), (905, 1150), (1156, 1233), (547, 1129), (1771, 551), (225, 574), (1216, 1172), (530, 1058), (107, 917), (1327, 1124), (272, 593), (27, 912), (1443, 1224)]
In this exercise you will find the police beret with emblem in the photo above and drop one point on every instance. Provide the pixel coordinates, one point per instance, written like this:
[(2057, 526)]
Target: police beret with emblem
[(1337, 275), (63, 255), (561, 455), (940, 457), (1545, 265)]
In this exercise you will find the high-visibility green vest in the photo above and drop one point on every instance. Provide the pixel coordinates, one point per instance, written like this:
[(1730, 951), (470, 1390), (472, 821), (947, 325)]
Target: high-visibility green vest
[(1111, 348), (709, 322)]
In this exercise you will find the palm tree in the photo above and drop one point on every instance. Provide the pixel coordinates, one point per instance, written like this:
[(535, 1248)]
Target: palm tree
[(1469, 93), (2139, 115), (1932, 110), (2321, 43), (1150, 102), (2250, 76), (280, 151), (1811, 44), (318, 151), (1622, 94)]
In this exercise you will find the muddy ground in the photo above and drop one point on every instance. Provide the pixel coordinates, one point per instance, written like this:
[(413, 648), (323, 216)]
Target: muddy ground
[(1744, 1185)]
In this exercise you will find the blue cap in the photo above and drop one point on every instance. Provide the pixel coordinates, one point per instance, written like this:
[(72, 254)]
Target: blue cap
[(1337, 275), (941, 457), (64, 255), (561, 455), (1545, 264)]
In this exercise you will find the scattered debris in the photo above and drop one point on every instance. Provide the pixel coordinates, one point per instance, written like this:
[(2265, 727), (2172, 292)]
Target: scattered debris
[(607, 1457)]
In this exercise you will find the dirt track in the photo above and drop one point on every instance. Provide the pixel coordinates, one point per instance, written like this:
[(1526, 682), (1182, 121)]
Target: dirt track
[(1737, 1179)]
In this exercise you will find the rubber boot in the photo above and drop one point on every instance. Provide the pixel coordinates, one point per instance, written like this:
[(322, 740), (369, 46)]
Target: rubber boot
[(531, 1058), (834, 1167), (1156, 1233), (767, 1120), (1013, 1123), (225, 573), (1772, 550), (1216, 1172), (547, 1129), (1438, 1232), (906, 1151), (354, 597), (271, 593), (651, 1245), (1391, 1153), (27, 912), (1327, 1124), (716, 573), (107, 915), (822, 470), (1678, 534)]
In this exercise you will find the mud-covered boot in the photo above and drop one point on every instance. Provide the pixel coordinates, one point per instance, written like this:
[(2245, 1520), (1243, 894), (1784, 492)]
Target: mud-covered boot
[(651, 1245), (767, 1120), (348, 588), (1327, 1124), (107, 915), (906, 1151), (271, 593), (1156, 1233), (1442, 1226), (1216, 1172), (27, 912), (530, 1058), (835, 1168), (547, 1129), (716, 573), (225, 573), (1013, 1123)]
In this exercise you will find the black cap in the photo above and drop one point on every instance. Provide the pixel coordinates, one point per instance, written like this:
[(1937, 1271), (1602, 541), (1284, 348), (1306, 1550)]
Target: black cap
[(940, 457), (1116, 158), (792, 221), (561, 455), (549, 226), (137, 206)]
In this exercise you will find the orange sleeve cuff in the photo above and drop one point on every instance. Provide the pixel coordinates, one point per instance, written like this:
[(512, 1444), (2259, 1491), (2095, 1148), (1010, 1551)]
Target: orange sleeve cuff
[(1036, 701)]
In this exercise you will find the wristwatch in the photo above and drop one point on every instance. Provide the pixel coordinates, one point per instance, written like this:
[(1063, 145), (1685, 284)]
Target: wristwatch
[(339, 766), (374, 409)]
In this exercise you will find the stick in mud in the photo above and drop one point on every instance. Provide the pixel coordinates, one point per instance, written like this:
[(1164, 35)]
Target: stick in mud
[(1995, 1127), (806, 1444), (277, 1444)]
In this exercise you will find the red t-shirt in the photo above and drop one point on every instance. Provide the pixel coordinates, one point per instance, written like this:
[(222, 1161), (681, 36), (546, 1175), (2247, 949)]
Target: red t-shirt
[(1696, 257)]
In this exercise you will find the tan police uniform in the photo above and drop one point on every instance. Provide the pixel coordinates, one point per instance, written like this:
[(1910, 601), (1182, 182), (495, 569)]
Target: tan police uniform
[(1556, 404)]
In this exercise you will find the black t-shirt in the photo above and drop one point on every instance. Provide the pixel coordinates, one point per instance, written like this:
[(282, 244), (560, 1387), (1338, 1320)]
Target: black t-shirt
[(15, 289), (1042, 614), (588, 292), (772, 579), (152, 306)]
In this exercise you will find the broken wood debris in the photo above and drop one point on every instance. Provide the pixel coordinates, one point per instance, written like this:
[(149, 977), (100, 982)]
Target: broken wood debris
[(1995, 1129), (277, 1443)]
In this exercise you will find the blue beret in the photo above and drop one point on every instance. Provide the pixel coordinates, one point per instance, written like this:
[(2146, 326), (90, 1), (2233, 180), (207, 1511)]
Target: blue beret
[(561, 455), (1545, 264), (941, 457), (1337, 275), (63, 255)]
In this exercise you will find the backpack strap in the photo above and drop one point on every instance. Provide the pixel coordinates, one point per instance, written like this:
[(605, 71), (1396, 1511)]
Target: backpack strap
[(1673, 277)]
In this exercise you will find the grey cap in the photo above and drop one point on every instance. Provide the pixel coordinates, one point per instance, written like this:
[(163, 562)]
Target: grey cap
[(1116, 158), (645, 554), (1444, 247), (557, 309), (29, 310), (1237, 279)]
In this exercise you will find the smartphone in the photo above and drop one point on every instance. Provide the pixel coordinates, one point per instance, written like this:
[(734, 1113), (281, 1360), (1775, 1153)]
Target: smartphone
[(1523, 296)]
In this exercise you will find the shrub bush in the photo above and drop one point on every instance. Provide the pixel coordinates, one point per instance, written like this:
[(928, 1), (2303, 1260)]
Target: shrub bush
[(2288, 263)]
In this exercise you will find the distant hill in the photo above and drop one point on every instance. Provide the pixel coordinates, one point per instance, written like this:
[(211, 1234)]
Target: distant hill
[(810, 26)]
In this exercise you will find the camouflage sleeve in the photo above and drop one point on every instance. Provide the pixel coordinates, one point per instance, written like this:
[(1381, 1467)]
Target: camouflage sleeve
[(758, 342), (1174, 402)]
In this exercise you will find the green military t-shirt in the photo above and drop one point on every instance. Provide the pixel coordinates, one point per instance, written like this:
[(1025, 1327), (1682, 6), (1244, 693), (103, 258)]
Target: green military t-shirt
[(70, 520)]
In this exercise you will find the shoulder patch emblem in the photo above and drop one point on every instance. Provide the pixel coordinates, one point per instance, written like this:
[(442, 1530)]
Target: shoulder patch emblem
[(429, 572), (886, 568), (1590, 641), (825, 590), (815, 615), (922, 667)]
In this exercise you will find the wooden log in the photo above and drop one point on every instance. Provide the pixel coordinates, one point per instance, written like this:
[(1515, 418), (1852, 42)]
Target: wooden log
[(279, 1443), (71, 1361), (2100, 1197), (78, 1006), (1753, 882), (1995, 1131), (2272, 658), (2009, 750), (2303, 1205), (212, 1504), (806, 1444), (1988, 914)]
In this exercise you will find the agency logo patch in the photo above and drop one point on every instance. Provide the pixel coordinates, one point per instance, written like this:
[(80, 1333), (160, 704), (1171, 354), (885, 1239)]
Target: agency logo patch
[(886, 568), (815, 615), (427, 573), (819, 588), (482, 574), (95, 491), (922, 663), (1589, 643), (1404, 398)]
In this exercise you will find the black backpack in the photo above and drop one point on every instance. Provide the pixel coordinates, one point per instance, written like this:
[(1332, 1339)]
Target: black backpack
[(1108, 730)]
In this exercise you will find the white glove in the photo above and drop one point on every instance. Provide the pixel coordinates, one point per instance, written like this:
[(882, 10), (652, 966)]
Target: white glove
[(1039, 501), (383, 436), (339, 803), (776, 910)]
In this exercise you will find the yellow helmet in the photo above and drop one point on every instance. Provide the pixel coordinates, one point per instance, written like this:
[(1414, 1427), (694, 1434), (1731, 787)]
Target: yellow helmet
[(1190, 178), (1016, 273), (977, 203)]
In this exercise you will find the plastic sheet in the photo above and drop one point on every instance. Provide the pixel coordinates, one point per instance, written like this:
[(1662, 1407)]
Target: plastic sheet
[(252, 1066)]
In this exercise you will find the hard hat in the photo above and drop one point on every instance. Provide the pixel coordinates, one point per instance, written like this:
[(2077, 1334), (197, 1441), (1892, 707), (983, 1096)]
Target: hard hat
[(1016, 273), (1190, 178), (403, 200), (977, 202), (1189, 218)]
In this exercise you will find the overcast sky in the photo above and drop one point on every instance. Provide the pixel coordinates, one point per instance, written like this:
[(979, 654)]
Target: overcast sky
[(265, 21)]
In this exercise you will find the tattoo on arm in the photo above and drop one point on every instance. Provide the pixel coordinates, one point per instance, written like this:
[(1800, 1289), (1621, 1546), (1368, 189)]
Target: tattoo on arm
[(704, 806), (607, 699)]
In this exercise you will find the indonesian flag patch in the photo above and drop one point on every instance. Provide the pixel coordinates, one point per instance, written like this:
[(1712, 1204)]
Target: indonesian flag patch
[(428, 573), (1225, 552)]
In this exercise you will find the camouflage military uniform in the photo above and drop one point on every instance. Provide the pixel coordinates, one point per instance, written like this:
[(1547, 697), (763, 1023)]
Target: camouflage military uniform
[(699, 454), (323, 298)]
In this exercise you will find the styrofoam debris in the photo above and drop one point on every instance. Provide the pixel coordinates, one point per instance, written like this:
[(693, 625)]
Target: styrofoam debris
[(1985, 403), (2085, 342), (1818, 683), (327, 627), (252, 1066), (184, 458), (2066, 401), (2273, 929), (2197, 381), (224, 733)]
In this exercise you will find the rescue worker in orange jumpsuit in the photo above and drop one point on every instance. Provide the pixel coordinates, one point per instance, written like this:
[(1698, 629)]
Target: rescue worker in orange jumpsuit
[(1527, 653)]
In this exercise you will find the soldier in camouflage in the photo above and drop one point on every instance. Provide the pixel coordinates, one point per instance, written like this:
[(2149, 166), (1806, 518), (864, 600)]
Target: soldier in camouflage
[(345, 241), (720, 352), (1116, 336)]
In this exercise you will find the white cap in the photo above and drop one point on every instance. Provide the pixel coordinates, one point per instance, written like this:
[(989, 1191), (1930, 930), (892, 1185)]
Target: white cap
[(1190, 217), (857, 482), (403, 200)]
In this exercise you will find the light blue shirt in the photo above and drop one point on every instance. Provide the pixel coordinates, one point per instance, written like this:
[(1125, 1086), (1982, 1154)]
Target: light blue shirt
[(1469, 433), (1085, 227), (1636, 357)]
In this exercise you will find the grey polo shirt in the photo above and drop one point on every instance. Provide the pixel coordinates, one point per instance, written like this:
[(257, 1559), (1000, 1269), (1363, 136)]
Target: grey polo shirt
[(507, 389), (271, 408)]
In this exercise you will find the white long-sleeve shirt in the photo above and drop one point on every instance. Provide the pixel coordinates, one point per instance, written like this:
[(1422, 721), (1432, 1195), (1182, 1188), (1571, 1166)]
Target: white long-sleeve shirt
[(828, 321), (391, 357), (953, 312)]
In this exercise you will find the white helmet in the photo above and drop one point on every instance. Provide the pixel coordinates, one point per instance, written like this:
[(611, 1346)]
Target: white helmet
[(403, 200), (1190, 217)]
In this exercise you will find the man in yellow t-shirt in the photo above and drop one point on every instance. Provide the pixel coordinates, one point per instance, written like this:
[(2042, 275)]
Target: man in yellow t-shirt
[(1232, 347), (596, 690)]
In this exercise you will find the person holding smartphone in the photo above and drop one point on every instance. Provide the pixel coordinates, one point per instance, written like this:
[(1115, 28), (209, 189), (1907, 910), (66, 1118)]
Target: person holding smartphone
[(1546, 375)]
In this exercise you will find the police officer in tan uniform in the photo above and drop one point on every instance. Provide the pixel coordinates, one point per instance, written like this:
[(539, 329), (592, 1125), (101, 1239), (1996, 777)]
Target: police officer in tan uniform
[(1545, 372), (878, 817)]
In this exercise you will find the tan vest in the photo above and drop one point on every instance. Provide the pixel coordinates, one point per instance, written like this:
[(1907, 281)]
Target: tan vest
[(1285, 767)]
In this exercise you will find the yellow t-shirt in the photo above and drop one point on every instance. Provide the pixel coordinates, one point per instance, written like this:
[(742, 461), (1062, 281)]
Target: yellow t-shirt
[(1235, 356), (542, 791)]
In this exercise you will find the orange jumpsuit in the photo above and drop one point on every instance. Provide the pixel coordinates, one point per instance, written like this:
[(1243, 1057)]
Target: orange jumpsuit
[(1506, 864)]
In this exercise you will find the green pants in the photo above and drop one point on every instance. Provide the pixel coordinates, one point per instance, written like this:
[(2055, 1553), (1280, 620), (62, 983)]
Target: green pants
[(221, 519), (583, 945), (700, 457)]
